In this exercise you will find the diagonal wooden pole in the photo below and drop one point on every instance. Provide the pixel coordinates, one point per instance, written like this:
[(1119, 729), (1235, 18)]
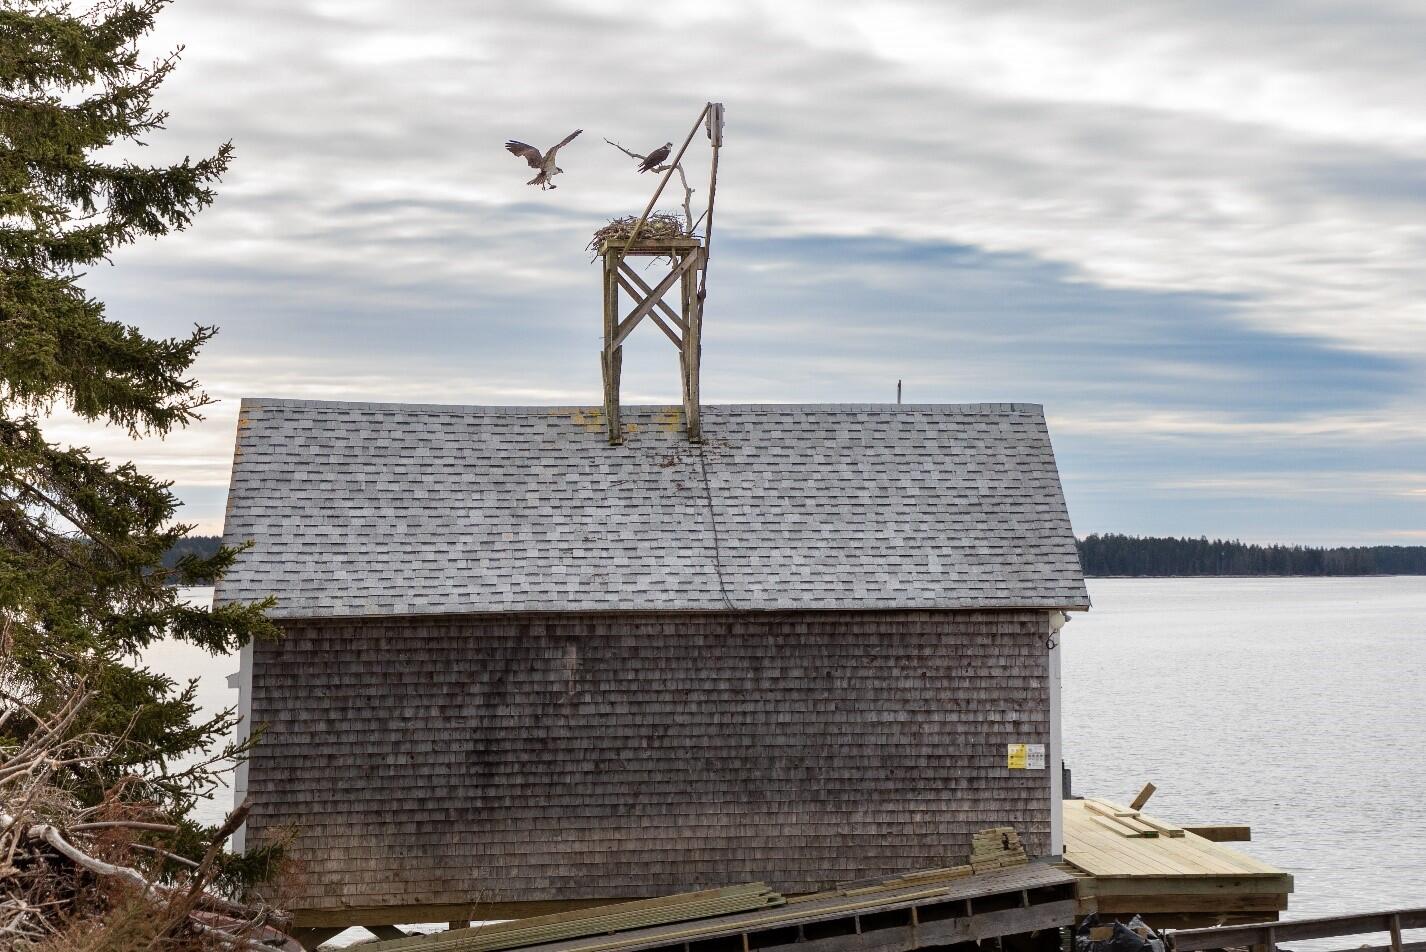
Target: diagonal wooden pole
[(715, 133), (639, 225), (693, 301)]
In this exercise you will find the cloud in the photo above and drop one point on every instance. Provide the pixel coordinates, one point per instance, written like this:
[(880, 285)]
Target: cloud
[(1317, 484), (1192, 230)]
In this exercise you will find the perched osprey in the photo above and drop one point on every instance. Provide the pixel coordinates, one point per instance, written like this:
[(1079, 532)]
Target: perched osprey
[(655, 158), (545, 163)]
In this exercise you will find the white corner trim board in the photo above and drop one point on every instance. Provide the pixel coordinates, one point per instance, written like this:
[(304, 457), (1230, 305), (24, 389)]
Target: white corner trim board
[(1055, 755), (244, 678)]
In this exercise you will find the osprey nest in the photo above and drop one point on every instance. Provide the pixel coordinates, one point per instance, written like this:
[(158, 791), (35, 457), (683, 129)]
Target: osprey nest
[(658, 225)]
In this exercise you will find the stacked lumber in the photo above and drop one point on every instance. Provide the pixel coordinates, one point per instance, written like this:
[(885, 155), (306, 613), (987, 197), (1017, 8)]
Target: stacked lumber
[(1128, 821), (599, 920), (996, 848), (866, 887), (990, 849)]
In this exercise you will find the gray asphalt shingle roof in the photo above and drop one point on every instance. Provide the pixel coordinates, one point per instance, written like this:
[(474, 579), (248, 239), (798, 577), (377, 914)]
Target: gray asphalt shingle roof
[(393, 509)]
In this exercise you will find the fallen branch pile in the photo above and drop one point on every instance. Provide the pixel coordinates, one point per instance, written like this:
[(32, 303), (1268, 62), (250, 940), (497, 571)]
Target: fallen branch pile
[(93, 878)]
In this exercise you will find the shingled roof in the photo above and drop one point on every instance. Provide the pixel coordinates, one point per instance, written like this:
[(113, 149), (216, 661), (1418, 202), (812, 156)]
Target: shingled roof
[(361, 509)]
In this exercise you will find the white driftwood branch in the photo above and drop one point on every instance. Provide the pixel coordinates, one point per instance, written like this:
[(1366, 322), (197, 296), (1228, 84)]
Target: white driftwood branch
[(164, 853), (687, 192), (49, 834), (632, 155), (128, 824), (52, 836)]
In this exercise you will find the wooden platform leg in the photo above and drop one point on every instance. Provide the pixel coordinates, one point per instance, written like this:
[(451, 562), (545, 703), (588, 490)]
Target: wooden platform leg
[(386, 932), (310, 938), (612, 358), (692, 353)]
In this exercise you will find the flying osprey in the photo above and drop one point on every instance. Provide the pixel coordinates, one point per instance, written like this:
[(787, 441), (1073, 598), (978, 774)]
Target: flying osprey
[(655, 158), (545, 163)]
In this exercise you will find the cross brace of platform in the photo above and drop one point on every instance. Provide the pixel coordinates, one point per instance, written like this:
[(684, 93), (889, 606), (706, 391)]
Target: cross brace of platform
[(687, 258)]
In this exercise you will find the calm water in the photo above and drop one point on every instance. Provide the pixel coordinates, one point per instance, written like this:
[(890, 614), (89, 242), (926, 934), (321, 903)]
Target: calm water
[(1297, 706)]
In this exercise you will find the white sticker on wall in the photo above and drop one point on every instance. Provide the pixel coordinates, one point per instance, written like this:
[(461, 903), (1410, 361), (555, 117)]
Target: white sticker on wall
[(1025, 756)]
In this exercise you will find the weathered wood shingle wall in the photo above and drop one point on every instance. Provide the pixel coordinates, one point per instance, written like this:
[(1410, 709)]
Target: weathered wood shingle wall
[(454, 759)]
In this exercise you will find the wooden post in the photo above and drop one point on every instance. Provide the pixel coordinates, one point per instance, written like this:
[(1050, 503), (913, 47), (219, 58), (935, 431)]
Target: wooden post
[(692, 353), (1149, 788), (612, 358)]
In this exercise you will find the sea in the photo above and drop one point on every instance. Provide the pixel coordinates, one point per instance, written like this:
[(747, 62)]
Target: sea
[(1296, 706)]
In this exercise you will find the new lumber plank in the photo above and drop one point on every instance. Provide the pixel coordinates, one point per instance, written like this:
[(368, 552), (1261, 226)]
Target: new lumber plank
[(1178, 885), (1222, 832), (1192, 902), (1135, 814)]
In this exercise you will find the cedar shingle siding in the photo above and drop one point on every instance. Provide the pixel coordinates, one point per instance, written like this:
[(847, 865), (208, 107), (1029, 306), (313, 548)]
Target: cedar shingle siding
[(453, 759)]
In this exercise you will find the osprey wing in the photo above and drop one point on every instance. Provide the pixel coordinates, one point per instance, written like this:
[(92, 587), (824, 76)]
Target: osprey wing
[(562, 143), (527, 152)]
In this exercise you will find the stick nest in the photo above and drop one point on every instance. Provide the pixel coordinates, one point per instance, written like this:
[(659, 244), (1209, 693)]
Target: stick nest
[(660, 225)]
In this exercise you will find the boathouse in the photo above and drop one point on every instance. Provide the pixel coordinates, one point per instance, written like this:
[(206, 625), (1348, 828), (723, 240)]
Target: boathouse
[(524, 669)]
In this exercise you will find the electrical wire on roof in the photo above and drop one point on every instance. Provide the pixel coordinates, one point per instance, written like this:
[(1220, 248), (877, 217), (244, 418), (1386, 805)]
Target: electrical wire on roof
[(713, 521)]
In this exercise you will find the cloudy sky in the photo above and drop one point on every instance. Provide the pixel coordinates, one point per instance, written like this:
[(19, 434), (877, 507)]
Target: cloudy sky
[(1196, 232)]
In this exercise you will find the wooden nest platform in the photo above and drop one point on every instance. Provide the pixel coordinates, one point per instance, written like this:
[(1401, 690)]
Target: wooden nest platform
[(655, 247), (662, 232)]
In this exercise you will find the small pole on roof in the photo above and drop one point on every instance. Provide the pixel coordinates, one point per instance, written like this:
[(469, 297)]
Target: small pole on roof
[(898, 391)]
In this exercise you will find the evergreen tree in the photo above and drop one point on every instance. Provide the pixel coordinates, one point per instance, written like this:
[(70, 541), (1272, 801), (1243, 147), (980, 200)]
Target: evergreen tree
[(82, 539)]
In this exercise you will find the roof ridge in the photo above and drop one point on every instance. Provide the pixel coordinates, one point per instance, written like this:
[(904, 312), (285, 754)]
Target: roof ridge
[(980, 406)]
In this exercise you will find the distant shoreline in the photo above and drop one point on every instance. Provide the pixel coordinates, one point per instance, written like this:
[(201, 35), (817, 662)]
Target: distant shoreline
[(1112, 555)]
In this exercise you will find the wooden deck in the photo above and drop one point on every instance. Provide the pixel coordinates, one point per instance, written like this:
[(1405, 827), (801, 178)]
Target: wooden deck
[(1175, 881), (899, 915)]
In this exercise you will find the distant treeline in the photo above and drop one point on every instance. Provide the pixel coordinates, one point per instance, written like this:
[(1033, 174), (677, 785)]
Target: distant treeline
[(201, 546), (1114, 554)]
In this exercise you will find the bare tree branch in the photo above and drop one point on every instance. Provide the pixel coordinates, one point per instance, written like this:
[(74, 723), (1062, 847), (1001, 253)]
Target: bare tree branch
[(687, 192), (632, 155)]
